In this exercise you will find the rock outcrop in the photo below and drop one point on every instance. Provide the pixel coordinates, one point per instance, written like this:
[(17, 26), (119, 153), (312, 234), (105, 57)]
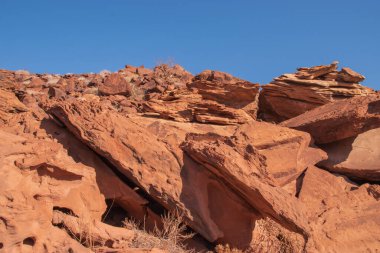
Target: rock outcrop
[(212, 97), (357, 157), (339, 120), (290, 95), (341, 213), (133, 161)]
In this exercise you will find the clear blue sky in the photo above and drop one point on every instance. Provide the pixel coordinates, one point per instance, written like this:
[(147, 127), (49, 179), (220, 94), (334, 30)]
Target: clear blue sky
[(254, 40)]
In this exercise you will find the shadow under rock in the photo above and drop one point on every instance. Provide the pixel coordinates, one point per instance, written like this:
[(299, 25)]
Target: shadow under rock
[(223, 214), (337, 152)]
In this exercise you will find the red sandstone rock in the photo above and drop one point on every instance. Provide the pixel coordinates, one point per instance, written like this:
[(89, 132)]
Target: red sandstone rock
[(290, 95), (348, 75), (213, 97), (115, 84), (339, 120), (356, 157), (237, 181), (155, 165), (343, 216), (44, 169)]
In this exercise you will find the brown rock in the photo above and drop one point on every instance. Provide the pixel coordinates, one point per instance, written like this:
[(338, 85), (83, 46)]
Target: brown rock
[(115, 84), (147, 151), (56, 93), (143, 71), (244, 171), (46, 169), (290, 95), (213, 97), (339, 120), (9, 103), (348, 75), (227, 90), (356, 157), (189, 107), (317, 71), (158, 166), (7, 79), (343, 216)]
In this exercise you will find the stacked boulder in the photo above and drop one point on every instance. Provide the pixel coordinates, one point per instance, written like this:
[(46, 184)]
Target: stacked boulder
[(290, 95), (212, 97)]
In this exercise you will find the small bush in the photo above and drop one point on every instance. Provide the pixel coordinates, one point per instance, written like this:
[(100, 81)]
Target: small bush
[(170, 238)]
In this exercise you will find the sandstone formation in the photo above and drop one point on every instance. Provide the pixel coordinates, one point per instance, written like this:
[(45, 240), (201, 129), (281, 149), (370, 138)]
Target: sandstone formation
[(212, 97), (339, 120), (357, 157), (341, 213), (135, 160), (138, 153), (290, 95)]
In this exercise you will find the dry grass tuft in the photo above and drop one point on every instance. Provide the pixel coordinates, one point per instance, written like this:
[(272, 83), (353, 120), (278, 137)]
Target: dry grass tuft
[(226, 249), (83, 233), (170, 238), (136, 92), (271, 237)]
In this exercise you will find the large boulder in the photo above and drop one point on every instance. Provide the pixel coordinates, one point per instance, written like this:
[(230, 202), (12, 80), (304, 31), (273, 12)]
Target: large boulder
[(290, 95), (339, 120), (115, 84), (343, 216), (226, 89), (357, 157)]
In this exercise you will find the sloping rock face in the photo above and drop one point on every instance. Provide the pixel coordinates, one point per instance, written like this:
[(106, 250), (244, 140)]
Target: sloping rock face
[(290, 95), (47, 170), (348, 131), (341, 213), (339, 120), (213, 97), (357, 157), (139, 154)]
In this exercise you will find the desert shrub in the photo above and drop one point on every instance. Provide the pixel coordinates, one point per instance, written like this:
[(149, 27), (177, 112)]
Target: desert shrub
[(82, 231), (136, 92), (170, 237), (271, 237)]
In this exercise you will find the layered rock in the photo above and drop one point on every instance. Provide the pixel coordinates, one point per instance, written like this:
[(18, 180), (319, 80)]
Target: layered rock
[(290, 95), (339, 120), (213, 97)]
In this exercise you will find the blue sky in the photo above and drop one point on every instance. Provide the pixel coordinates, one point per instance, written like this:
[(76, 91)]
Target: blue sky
[(254, 40)]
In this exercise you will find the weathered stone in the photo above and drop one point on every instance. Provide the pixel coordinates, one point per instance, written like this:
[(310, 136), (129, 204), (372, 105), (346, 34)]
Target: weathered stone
[(115, 84), (343, 216), (357, 157), (290, 95), (339, 120)]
